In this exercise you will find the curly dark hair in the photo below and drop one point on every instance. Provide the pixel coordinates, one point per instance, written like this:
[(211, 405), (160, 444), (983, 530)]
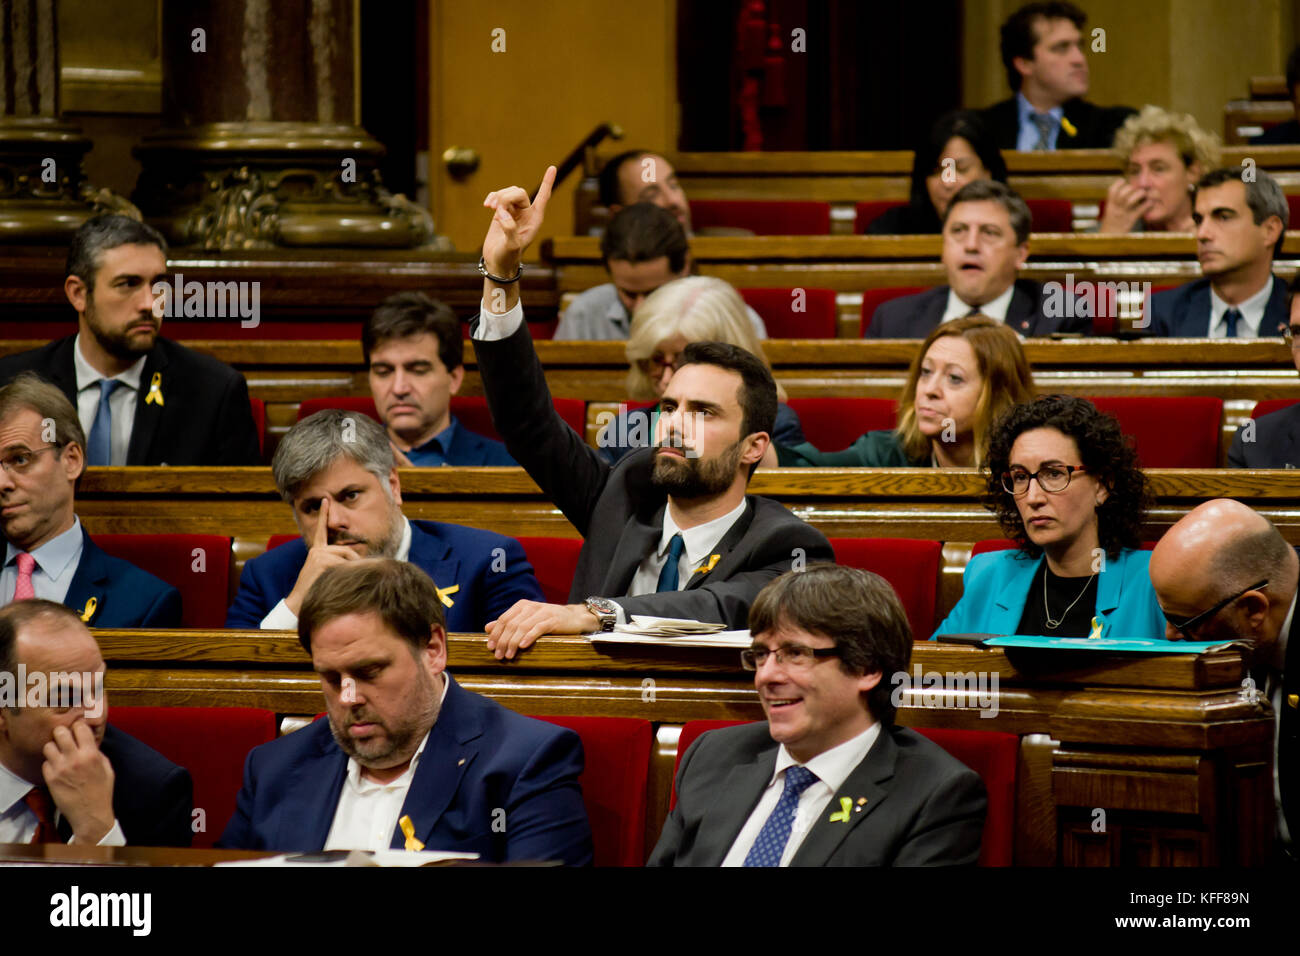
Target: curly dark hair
[(1106, 453)]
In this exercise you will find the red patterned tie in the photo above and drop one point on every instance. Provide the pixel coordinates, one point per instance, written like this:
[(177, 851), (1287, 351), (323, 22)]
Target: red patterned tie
[(23, 589), (39, 802)]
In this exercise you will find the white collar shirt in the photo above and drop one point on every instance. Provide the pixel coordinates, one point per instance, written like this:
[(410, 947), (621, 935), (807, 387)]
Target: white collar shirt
[(122, 402), (1252, 313), (995, 309)]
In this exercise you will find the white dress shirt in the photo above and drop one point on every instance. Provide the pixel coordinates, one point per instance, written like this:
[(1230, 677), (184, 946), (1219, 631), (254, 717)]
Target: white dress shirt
[(281, 618), (698, 542), (831, 768), (56, 566), (368, 811), (122, 402), (17, 821), (995, 309), (1252, 313)]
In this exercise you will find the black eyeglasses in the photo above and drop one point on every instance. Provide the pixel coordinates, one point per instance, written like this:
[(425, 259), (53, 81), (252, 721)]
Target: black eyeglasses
[(796, 655), (1051, 478), (1185, 625)]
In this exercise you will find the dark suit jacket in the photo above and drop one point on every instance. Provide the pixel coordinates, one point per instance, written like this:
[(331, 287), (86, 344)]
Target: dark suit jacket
[(469, 449), (153, 798), (916, 316), (124, 595), (1280, 135), (205, 417), (490, 570), (620, 513), (1095, 125), (1184, 312), (1276, 442), (480, 759), (924, 807)]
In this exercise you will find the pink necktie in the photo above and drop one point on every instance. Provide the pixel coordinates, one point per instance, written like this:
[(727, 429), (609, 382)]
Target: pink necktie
[(23, 589)]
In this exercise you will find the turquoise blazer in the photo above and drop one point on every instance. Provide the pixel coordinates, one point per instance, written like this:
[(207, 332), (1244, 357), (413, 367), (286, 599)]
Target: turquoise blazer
[(996, 586)]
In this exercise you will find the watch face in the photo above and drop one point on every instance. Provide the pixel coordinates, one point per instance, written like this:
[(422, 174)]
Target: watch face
[(601, 606)]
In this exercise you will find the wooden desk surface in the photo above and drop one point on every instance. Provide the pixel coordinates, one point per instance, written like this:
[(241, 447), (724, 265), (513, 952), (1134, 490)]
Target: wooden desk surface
[(60, 854)]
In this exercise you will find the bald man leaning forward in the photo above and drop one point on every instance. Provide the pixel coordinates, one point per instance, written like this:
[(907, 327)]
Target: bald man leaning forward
[(1222, 573)]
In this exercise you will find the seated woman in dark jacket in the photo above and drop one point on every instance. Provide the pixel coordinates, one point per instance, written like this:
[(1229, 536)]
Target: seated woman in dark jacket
[(967, 372), (960, 149), (693, 309)]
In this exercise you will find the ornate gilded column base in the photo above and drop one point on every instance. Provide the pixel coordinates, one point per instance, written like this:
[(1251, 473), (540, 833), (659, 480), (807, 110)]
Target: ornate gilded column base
[(270, 185), (44, 196)]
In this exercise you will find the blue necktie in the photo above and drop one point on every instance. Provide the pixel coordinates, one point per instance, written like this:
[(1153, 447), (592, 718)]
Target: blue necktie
[(769, 846), (1231, 318), (1045, 123), (668, 576), (101, 431)]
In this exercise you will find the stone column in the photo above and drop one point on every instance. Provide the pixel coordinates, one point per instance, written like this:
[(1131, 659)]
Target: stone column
[(260, 147)]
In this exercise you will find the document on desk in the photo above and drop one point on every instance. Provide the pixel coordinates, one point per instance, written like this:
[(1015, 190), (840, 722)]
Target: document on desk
[(679, 632), (355, 858)]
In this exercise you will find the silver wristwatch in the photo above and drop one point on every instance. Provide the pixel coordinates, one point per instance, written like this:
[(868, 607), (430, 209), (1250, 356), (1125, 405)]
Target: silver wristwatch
[(606, 612)]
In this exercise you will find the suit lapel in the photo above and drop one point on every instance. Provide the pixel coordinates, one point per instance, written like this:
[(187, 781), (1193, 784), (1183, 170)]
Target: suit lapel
[(447, 757), (89, 582), (1110, 583), (310, 805), (148, 415), (1276, 315), (722, 551), (636, 541), (936, 303), (1199, 313), (734, 803), (1022, 311), (64, 370), (433, 556), (865, 789), (1009, 604)]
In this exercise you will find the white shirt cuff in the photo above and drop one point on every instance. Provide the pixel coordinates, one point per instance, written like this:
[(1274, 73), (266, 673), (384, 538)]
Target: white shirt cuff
[(280, 619), (114, 837), (622, 615), (493, 327)]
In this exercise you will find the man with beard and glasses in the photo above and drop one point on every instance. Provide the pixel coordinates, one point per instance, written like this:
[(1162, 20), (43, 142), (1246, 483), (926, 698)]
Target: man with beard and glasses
[(406, 757), (669, 530), (142, 399), (336, 470)]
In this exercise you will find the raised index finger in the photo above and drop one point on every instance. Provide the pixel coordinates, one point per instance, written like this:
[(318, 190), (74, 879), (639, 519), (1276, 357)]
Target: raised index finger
[(544, 190), (322, 536)]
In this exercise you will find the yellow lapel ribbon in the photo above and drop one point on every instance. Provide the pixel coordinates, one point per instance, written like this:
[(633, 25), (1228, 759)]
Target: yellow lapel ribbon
[(705, 569), (89, 610), (1095, 633), (155, 390), (1069, 127), (408, 828), (846, 806), (444, 592)]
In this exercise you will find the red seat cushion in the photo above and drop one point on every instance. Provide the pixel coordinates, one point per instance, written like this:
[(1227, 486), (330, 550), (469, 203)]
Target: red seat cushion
[(764, 217), (910, 566), (1051, 215), (873, 298), (865, 213), (210, 742), (278, 539), (554, 561), (617, 762), (197, 565), (832, 424), (991, 754), (472, 410), (815, 318), (1169, 431), (1269, 405)]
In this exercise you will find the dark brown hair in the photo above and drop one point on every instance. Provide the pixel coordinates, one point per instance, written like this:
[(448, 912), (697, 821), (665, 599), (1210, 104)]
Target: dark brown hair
[(406, 314), (14, 617), (401, 594)]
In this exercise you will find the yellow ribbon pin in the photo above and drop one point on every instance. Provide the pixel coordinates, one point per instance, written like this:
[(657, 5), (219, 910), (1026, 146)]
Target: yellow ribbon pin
[(1069, 127), (408, 828), (89, 611), (444, 592), (713, 559), (1095, 633), (846, 806), (155, 390)]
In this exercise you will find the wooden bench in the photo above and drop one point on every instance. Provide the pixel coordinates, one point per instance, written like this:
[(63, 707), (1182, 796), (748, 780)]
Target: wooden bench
[(1167, 747)]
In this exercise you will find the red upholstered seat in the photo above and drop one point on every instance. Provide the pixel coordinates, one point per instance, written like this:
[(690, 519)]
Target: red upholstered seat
[(1169, 431), (832, 424), (764, 217), (554, 560), (990, 754), (617, 760), (197, 565), (816, 318), (910, 566), (993, 544), (259, 419), (865, 213), (872, 299), (210, 742), (1269, 405), (278, 539), (472, 410)]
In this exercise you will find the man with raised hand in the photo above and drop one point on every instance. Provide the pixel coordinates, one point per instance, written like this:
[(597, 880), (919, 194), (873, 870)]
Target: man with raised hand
[(669, 530)]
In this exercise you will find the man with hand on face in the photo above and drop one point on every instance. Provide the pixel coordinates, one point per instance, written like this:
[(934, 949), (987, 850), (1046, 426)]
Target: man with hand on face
[(141, 399), (406, 757), (336, 470), (669, 530), (985, 244), (1241, 217), (828, 779), (65, 774), (412, 347)]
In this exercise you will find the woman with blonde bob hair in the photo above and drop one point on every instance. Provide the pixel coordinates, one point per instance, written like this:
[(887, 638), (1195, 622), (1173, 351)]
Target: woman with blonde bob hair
[(966, 374), (1163, 154), (692, 309)]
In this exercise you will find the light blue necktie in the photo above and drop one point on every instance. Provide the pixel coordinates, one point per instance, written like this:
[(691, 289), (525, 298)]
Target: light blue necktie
[(769, 846), (668, 576), (1231, 318), (101, 431)]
